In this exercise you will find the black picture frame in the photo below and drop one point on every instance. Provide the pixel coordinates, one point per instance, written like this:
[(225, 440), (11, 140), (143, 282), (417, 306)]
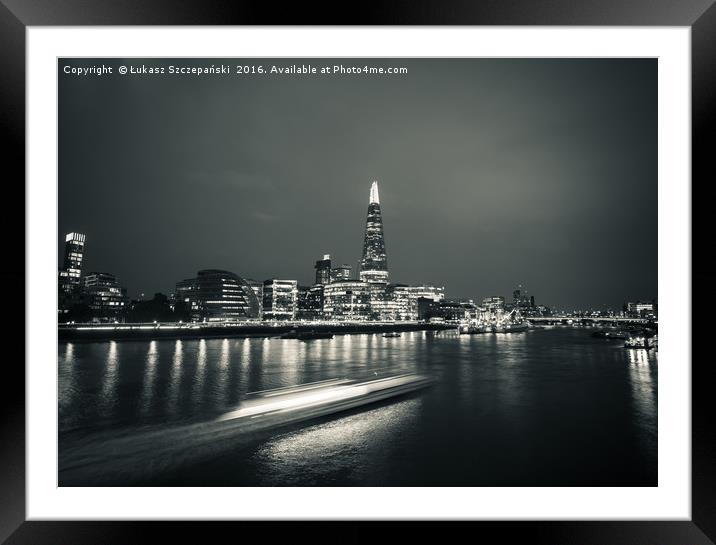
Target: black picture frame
[(16, 15)]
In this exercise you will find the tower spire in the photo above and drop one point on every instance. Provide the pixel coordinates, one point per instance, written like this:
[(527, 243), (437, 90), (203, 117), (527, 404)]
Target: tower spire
[(374, 193)]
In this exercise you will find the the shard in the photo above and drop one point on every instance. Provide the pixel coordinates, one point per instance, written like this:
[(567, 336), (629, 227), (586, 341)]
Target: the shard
[(374, 264)]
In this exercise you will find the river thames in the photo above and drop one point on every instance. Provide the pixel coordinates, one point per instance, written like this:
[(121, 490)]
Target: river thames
[(551, 406)]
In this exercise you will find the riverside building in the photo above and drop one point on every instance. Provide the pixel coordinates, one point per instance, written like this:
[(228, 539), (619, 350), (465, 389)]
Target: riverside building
[(103, 294), (280, 299), (218, 296), (70, 276)]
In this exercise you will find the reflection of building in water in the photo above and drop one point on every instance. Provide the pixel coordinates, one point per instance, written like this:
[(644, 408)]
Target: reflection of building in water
[(109, 381), (638, 356), (643, 380)]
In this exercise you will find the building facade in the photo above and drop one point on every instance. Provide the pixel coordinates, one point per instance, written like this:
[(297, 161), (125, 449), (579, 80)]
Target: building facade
[(280, 299), (521, 300), (218, 296), (69, 280), (103, 294), (309, 302), (342, 272), (641, 310), (494, 303), (347, 300), (258, 288), (323, 270), (406, 299)]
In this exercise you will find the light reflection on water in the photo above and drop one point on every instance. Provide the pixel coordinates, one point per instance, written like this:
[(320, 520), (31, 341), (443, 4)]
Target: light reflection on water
[(108, 397), (643, 380), (510, 401), (200, 375), (175, 375), (337, 444), (150, 376), (67, 377)]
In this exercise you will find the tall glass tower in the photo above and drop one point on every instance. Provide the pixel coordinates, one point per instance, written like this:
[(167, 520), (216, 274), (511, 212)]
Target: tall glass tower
[(374, 264), (74, 251)]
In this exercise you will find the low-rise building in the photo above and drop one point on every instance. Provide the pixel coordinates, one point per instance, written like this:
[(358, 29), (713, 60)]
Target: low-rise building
[(218, 296), (347, 300), (103, 294)]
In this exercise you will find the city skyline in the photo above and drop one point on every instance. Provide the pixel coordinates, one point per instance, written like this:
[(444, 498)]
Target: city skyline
[(372, 269), (511, 171)]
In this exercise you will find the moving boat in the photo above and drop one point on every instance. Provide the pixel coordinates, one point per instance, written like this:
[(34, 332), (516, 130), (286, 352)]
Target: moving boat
[(285, 405), (117, 455), (391, 334)]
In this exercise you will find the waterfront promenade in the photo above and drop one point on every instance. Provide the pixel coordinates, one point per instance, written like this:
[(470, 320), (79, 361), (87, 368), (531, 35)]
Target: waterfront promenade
[(124, 331)]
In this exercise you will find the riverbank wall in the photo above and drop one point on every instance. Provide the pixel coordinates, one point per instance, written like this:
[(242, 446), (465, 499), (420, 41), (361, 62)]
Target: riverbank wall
[(128, 332)]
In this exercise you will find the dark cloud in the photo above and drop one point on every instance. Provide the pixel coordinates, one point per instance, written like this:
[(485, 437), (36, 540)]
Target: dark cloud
[(492, 172)]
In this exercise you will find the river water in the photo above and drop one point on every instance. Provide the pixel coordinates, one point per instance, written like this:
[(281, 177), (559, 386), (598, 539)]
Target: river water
[(550, 406)]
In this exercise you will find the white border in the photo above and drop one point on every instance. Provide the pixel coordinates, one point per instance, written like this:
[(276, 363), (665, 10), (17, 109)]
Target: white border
[(670, 500)]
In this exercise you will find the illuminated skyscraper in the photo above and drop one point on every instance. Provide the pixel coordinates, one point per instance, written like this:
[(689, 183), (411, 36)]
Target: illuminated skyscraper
[(70, 275), (374, 264), (323, 270), (74, 251)]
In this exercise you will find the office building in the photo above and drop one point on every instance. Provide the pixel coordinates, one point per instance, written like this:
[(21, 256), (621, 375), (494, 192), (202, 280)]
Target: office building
[(641, 310), (347, 300), (103, 294), (258, 288), (406, 298), (494, 303), (323, 270), (342, 272), (218, 296), (280, 298), (309, 302), (69, 277)]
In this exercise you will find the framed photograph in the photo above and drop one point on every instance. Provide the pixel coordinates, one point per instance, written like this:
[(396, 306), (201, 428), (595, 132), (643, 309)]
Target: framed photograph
[(420, 265)]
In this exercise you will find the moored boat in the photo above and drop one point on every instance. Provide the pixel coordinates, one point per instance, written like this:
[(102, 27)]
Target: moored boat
[(310, 335), (472, 329), (512, 328), (640, 342)]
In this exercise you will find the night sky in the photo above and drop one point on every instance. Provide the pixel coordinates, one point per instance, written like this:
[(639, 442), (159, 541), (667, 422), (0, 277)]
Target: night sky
[(492, 173)]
